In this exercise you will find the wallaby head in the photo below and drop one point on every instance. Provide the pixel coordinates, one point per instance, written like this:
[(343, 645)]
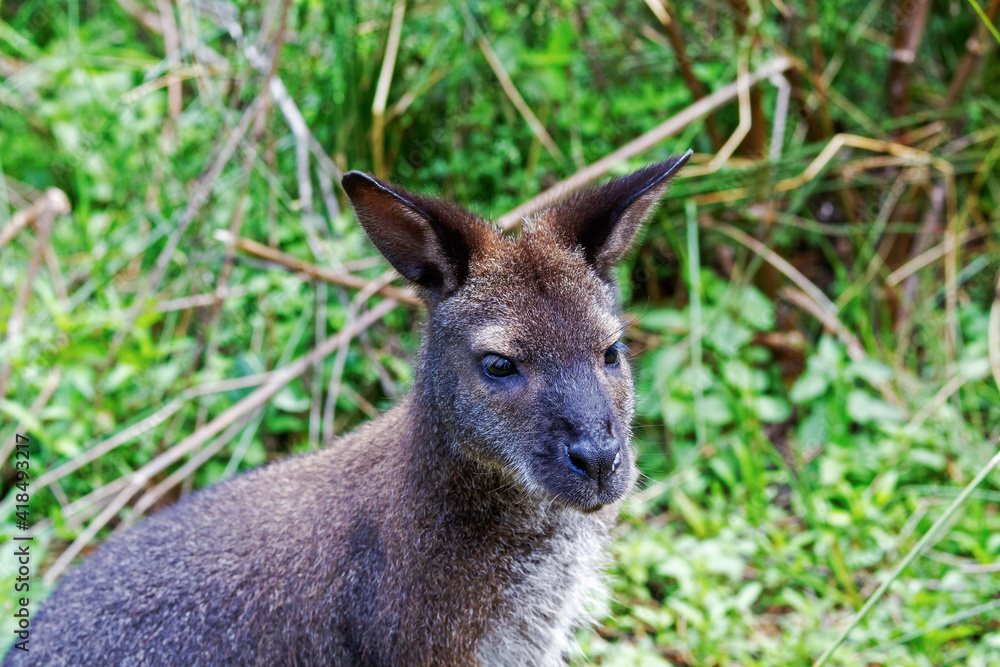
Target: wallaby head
[(522, 368)]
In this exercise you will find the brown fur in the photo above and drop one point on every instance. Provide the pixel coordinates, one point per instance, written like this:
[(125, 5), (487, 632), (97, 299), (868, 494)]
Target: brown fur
[(464, 526)]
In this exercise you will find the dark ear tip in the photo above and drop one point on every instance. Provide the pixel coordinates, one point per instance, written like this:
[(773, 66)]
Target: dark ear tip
[(354, 179), (673, 165)]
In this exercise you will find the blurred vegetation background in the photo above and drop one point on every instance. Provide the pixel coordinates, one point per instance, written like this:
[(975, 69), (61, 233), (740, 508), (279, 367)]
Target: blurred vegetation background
[(816, 332)]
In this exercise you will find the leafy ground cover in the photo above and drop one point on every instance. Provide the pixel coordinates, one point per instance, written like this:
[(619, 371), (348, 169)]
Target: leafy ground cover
[(816, 332)]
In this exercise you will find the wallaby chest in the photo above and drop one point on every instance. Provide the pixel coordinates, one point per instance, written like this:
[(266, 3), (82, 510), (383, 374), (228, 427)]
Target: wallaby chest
[(549, 593)]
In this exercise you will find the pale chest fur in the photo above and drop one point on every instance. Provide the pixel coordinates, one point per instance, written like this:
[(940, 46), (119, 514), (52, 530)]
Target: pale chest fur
[(553, 593)]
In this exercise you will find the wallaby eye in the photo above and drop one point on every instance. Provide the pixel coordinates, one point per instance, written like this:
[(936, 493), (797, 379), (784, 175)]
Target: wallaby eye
[(497, 367), (611, 355)]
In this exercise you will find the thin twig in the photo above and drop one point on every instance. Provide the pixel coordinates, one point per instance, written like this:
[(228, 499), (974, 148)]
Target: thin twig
[(509, 88), (911, 17), (382, 88), (135, 481), (343, 279), (780, 116), (855, 350), (158, 417), (825, 121), (202, 190), (237, 412), (53, 199), (745, 122), (333, 390), (747, 31), (819, 163), (665, 15), (777, 261), (50, 205), (171, 45), (149, 498), (202, 300), (641, 144), (48, 389), (930, 255), (993, 335)]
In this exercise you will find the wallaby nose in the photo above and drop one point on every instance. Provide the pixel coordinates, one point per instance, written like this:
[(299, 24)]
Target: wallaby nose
[(594, 460)]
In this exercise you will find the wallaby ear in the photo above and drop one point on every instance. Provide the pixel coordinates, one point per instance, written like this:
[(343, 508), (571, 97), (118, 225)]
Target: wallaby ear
[(604, 220), (427, 240)]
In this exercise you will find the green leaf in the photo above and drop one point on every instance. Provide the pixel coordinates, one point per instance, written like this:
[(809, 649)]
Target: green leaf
[(831, 471), (667, 320), (755, 309), (772, 409), (829, 354), (715, 410), (748, 595), (289, 400), (690, 511), (864, 408), (807, 387), (118, 376), (19, 413), (739, 376), (869, 370), (925, 457), (884, 486), (726, 336)]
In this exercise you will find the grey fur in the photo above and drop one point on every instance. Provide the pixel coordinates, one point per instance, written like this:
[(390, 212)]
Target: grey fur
[(452, 530)]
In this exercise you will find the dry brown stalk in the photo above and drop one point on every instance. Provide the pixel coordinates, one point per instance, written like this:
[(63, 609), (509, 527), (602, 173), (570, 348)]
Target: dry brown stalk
[(665, 14), (854, 348), (911, 17), (382, 88), (837, 142), (53, 198), (51, 384), (930, 255), (755, 142), (202, 189), (333, 390), (993, 334), (510, 89), (642, 143), (777, 261), (744, 124), (808, 297), (183, 473), (975, 49), (152, 421), (55, 272), (41, 215), (825, 124), (201, 300), (954, 226), (207, 339), (172, 45), (313, 271)]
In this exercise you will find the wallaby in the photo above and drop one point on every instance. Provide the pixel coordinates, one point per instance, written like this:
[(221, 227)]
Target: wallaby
[(465, 526)]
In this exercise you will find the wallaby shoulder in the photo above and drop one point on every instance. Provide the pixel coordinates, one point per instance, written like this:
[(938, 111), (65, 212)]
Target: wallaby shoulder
[(254, 566)]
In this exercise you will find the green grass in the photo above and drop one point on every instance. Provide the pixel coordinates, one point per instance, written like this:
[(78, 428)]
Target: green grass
[(807, 412)]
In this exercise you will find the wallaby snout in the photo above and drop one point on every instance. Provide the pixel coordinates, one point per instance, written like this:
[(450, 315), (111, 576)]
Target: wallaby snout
[(596, 460)]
